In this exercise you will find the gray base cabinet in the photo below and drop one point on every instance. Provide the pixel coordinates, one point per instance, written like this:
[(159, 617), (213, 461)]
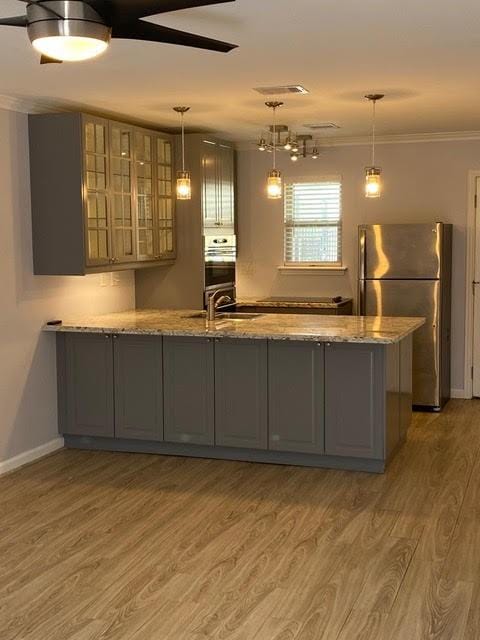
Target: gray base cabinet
[(296, 396), (138, 377), (241, 393), (337, 405), (110, 385), (85, 373), (189, 390), (368, 398)]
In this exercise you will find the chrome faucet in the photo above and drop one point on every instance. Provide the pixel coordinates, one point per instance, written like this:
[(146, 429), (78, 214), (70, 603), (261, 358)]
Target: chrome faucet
[(217, 298)]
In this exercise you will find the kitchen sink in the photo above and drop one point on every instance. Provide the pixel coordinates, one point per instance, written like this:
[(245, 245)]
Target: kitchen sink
[(227, 316)]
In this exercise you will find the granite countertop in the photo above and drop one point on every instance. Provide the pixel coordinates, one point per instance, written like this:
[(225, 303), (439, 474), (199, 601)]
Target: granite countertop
[(380, 330), (299, 303)]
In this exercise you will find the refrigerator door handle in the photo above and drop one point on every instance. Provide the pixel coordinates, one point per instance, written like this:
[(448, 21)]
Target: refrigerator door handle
[(362, 259)]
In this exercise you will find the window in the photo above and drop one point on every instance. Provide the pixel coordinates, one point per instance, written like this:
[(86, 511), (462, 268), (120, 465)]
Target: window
[(313, 223)]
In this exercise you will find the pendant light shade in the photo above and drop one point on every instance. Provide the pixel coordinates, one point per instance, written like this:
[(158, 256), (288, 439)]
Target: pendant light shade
[(184, 181), (373, 180), (274, 185), (274, 181)]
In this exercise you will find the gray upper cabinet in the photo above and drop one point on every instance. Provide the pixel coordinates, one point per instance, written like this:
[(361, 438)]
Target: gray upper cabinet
[(296, 396), (188, 365), (355, 400), (138, 379), (85, 376), (101, 195), (218, 186), (241, 389)]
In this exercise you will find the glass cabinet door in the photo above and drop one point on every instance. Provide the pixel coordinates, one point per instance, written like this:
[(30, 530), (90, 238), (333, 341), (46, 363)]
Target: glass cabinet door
[(98, 250), (226, 213), (209, 185), (165, 202), (144, 149), (121, 160)]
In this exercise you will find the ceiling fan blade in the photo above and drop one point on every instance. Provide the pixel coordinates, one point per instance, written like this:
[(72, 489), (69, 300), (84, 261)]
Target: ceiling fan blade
[(47, 60), (17, 21), (141, 30), (144, 8)]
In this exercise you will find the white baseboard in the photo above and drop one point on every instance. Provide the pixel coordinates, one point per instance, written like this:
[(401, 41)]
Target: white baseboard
[(457, 393), (29, 456)]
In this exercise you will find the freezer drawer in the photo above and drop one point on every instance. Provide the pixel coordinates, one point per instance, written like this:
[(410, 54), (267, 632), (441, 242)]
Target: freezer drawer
[(419, 298), (401, 251)]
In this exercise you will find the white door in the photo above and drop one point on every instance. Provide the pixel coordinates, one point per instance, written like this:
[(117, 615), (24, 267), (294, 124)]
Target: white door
[(476, 291)]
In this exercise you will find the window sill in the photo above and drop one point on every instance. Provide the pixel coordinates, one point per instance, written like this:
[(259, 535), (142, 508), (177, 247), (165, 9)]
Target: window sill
[(312, 270)]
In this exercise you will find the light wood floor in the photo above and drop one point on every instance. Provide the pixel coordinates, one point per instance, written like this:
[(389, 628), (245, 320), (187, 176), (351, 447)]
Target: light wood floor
[(137, 547)]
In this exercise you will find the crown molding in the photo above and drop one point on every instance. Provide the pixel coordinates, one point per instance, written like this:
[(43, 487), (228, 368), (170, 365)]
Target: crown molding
[(27, 105), (402, 138), (37, 105)]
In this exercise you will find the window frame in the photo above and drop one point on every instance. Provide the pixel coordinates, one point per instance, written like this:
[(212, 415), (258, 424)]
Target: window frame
[(338, 264)]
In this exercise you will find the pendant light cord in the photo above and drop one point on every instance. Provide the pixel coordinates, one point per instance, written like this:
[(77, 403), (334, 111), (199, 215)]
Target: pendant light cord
[(373, 132), (274, 138), (183, 142)]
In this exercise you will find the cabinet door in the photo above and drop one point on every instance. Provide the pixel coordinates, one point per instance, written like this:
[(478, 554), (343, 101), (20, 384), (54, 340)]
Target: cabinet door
[(138, 387), (188, 370), (144, 190), (165, 228), (89, 385), (354, 400), (296, 396), (241, 393), (226, 187), (122, 200), (209, 185), (96, 186)]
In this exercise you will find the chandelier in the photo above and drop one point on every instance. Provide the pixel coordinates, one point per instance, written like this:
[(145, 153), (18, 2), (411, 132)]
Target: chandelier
[(279, 137)]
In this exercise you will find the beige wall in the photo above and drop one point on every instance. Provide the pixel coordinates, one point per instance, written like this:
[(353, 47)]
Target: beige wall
[(423, 182), (28, 414)]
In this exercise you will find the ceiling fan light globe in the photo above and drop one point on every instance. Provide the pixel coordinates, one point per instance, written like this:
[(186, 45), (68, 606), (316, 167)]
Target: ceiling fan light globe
[(70, 48), (69, 40)]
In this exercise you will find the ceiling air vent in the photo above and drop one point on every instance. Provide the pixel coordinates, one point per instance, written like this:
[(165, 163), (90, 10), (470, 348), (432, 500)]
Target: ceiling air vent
[(321, 125), (281, 89)]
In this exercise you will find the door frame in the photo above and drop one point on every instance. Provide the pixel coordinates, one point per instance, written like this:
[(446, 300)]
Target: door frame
[(473, 176)]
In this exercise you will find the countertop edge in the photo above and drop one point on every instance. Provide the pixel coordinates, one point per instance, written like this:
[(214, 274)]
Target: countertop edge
[(228, 333)]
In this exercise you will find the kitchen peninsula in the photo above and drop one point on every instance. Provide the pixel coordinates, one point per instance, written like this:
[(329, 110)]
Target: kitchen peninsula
[(326, 391)]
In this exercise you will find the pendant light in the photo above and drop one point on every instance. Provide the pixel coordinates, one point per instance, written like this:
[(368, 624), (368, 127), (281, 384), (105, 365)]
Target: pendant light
[(184, 182), (373, 181), (274, 182)]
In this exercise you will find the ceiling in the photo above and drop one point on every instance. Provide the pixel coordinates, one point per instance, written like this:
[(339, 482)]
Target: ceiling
[(425, 56)]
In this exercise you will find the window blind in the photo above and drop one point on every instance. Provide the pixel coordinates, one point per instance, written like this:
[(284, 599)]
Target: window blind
[(313, 219)]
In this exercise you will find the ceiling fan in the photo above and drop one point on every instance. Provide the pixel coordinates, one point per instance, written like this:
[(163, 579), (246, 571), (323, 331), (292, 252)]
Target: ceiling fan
[(73, 30)]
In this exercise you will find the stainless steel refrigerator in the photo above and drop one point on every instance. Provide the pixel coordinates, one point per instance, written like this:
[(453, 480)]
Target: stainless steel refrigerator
[(405, 270)]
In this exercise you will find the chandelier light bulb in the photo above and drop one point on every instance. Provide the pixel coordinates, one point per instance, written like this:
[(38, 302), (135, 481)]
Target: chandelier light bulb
[(315, 153), (262, 145), (293, 157), (288, 144)]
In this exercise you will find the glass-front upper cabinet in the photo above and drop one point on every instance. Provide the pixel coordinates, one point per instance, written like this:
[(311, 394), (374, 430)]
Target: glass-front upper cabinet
[(97, 233), (122, 200), (144, 169), (165, 202), (218, 186), (226, 185)]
